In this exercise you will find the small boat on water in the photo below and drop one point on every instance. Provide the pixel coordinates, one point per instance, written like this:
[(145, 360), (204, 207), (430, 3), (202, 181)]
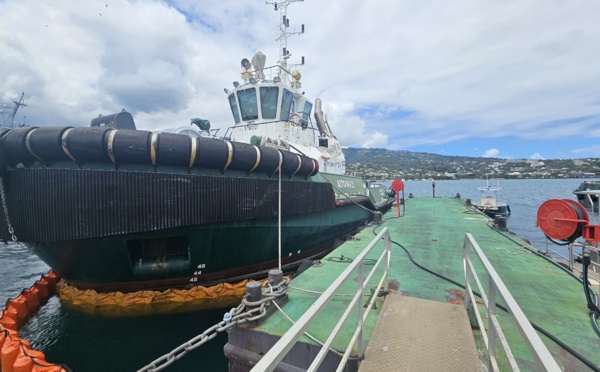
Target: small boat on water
[(587, 194), (113, 208), (489, 204)]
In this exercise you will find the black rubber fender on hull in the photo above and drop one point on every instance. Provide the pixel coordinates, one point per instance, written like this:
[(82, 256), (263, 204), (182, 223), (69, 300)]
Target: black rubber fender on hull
[(104, 145)]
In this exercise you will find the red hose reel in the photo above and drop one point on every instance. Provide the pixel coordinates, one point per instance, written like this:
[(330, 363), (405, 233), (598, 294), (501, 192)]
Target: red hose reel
[(567, 220)]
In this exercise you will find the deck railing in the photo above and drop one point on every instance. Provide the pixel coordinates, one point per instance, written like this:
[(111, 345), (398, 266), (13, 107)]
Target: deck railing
[(536, 346), (287, 341)]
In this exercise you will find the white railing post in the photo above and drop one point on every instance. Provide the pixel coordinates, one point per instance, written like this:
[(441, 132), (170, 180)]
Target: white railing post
[(543, 357), (359, 304), (491, 326), (571, 258), (466, 264), (274, 356), (387, 244)]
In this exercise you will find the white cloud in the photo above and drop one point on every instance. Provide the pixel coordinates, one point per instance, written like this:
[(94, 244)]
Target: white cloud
[(491, 153), (349, 128), (376, 139), (591, 151), (537, 156), (465, 70)]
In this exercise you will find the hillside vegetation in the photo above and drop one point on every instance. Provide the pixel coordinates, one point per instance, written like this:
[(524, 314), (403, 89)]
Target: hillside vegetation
[(387, 164)]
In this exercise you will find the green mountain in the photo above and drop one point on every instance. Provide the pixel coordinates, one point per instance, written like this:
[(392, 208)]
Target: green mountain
[(376, 163)]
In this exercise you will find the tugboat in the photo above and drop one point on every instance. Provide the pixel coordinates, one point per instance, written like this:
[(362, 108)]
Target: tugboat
[(113, 208)]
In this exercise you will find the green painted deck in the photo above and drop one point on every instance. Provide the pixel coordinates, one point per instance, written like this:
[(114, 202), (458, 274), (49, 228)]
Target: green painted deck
[(433, 231)]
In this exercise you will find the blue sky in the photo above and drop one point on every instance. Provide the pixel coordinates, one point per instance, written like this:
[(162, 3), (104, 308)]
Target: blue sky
[(508, 79)]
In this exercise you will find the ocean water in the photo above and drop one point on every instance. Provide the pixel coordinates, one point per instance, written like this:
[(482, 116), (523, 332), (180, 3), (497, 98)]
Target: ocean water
[(90, 343)]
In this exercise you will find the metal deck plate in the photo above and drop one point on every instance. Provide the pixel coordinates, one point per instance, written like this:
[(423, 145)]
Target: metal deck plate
[(413, 334)]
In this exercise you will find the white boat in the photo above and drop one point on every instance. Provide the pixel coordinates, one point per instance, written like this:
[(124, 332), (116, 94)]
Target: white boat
[(488, 202)]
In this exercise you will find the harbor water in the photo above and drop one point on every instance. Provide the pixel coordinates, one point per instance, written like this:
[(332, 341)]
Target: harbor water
[(105, 342)]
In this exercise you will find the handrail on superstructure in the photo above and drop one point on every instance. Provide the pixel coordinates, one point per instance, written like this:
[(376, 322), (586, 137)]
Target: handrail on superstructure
[(535, 343), (272, 358)]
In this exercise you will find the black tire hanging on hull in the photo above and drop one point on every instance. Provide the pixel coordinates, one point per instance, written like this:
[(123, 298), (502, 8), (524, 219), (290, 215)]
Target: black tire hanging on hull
[(212, 153), (46, 144), (88, 144), (174, 149), (291, 163), (130, 146), (15, 147), (246, 157), (269, 161)]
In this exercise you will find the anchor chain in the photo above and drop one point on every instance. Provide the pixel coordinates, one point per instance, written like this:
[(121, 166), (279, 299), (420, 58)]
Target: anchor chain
[(11, 230), (254, 311)]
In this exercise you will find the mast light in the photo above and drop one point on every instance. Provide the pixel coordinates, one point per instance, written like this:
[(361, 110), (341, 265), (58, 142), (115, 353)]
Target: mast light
[(246, 64)]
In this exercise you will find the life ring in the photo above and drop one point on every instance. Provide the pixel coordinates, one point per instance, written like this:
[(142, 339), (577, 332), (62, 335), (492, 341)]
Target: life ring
[(295, 118)]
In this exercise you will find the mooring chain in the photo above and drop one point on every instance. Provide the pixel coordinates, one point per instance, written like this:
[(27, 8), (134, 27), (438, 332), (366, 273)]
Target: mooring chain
[(11, 230), (234, 317)]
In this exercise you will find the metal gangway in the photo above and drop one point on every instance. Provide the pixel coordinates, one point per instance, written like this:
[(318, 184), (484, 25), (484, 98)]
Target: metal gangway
[(409, 322)]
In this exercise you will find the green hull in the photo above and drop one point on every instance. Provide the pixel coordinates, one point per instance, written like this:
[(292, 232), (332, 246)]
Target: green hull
[(129, 225), (197, 255)]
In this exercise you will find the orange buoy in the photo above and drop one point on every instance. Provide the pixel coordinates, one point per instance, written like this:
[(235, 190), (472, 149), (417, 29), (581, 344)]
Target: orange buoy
[(16, 354), (42, 287), (4, 335), (25, 360), (52, 278), (9, 353), (20, 304), (10, 319), (33, 301)]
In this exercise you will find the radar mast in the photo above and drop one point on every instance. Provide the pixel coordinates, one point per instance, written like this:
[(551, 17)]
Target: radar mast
[(284, 33)]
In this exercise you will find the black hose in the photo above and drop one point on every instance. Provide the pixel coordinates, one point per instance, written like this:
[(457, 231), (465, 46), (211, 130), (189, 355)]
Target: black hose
[(584, 273), (593, 315), (592, 305), (566, 347), (403, 204)]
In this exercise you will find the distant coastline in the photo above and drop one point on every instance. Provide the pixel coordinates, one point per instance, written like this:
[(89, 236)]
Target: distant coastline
[(390, 164)]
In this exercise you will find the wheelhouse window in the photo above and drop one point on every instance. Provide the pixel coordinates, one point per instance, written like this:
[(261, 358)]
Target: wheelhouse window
[(286, 104), (248, 104), (306, 113), (268, 102), (234, 108)]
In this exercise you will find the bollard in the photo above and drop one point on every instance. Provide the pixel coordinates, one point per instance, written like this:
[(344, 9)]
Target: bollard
[(377, 216), (253, 291), (275, 277), (500, 223)]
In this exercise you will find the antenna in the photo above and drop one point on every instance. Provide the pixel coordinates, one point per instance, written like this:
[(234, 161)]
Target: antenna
[(18, 104), (284, 52)]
